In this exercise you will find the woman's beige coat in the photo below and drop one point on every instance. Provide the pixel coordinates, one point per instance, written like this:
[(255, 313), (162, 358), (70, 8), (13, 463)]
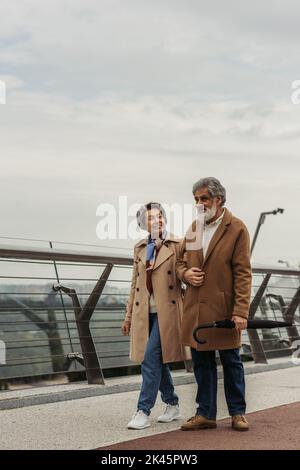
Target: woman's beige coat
[(168, 299)]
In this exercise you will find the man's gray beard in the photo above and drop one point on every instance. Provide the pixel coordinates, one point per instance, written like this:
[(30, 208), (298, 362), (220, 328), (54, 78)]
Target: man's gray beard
[(210, 213)]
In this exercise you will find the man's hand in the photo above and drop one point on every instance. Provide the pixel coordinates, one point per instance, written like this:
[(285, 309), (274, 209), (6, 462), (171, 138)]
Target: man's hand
[(240, 322), (194, 276), (126, 328)]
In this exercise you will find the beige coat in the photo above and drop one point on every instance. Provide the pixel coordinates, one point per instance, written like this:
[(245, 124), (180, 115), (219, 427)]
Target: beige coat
[(227, 285), (168, 299)]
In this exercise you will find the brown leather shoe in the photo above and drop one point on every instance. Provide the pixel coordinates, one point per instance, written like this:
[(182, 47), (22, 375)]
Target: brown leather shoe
[(198, 422), (239, 423)]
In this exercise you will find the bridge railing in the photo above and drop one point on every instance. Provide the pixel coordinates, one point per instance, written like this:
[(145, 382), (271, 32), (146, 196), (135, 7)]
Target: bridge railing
[(46, 332)]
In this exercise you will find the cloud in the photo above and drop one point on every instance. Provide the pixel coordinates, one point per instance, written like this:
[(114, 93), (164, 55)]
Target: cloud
[(142, 98)]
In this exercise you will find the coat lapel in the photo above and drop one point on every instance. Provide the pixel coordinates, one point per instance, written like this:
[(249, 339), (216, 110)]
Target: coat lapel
[(142, 254), (163, 254), (200, 256)]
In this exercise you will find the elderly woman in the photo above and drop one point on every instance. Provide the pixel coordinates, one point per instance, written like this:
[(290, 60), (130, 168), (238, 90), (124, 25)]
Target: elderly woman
[(153, 316)]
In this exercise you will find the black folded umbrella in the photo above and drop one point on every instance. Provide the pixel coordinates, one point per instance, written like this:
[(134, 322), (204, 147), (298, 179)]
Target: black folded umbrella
[(251, 325)]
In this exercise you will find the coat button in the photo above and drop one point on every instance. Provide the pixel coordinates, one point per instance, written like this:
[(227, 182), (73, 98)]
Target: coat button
[(169, 272), (137, 303), (173, 301), (138, 289), (170, 287)]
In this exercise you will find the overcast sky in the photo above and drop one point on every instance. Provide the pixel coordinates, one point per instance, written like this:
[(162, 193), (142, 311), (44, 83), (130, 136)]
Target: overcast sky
[(141, 98)]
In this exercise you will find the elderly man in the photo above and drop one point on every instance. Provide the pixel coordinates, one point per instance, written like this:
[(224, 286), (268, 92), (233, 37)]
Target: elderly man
[(218, 277)]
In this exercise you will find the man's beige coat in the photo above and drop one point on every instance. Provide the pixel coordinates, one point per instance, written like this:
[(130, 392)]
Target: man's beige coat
[(226, 289)]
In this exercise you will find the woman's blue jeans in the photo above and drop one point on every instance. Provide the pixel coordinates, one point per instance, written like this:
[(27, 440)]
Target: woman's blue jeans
[(156, 375)]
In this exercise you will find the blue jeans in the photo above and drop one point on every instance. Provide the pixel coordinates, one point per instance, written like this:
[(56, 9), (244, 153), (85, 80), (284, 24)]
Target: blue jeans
[(205, 369), (156, 375)]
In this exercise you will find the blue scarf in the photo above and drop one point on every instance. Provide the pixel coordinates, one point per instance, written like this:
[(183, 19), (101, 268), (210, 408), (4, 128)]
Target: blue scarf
[(153, 247)]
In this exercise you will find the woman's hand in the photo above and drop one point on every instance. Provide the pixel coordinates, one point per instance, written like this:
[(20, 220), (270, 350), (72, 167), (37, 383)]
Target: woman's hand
[(126, 327)]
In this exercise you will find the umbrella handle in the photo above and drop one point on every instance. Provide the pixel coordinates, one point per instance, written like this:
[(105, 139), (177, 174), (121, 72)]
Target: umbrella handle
[(200, 341), (216, 324), (201, 327)]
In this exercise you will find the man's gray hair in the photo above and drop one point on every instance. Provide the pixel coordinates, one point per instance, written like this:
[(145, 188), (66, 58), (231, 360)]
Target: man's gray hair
[(214, 187)]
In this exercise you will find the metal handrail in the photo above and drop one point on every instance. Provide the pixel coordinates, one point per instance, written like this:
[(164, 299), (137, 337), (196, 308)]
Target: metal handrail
[(63, 255), (104, 260), (12, 252)]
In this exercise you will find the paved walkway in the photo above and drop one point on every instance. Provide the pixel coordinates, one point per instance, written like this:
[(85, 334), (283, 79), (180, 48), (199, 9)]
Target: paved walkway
[(98, 421), (273, 429)]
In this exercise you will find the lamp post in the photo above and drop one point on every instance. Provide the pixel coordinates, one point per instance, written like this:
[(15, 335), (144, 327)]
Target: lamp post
[(261, 220), (284, 262)]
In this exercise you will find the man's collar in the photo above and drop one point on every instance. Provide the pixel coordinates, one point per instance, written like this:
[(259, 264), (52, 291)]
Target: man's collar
[(215, 222)]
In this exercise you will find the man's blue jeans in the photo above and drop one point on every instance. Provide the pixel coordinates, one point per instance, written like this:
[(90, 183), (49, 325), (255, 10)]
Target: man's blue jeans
[(156, 375), (205, 369)]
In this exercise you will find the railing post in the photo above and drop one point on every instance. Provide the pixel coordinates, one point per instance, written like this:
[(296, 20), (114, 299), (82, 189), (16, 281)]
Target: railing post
[(62, 300), (258, 352), (49, 327), (83, 315), (289, 315)]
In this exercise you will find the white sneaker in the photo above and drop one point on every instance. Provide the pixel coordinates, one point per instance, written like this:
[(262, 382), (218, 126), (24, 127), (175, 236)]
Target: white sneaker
[(170, 414), (139, 421)]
